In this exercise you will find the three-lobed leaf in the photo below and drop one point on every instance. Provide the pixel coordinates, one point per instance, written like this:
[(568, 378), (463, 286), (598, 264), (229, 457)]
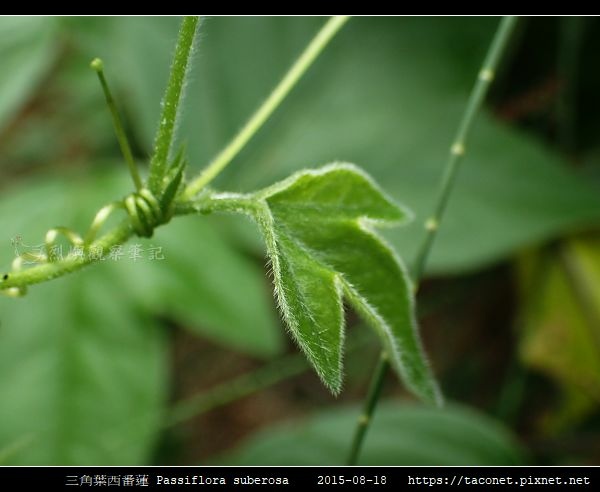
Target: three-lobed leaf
[(318, 229), (512, 191)]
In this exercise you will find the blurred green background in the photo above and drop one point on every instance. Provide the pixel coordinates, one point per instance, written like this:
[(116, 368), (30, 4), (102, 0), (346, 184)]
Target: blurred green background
[(182, 359)]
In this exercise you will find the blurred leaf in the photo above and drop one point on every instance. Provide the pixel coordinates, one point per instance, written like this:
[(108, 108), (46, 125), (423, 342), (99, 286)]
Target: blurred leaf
[(561, 335), (318, 226), (26, 52), (401, 434), (221, 293), (205, 284), (83, 352), (81, 373), (10, 450), (387, 95)]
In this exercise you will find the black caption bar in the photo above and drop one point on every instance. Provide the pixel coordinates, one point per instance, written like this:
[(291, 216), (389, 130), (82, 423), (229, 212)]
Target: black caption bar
[(298, 478)]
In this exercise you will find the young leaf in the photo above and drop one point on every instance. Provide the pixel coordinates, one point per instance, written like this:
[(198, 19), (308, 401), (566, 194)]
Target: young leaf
[(317, 226)]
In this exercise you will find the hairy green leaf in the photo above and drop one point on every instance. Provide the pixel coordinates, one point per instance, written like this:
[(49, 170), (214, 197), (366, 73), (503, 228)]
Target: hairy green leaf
[(401, 434), (318, 229), (396, 115)]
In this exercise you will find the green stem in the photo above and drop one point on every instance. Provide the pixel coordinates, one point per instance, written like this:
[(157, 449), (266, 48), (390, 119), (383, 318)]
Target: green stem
[(458, 147), (249, 383), (457, 151), (171, 102), (14, 283), (98, 66), (373, 395), (48, 271), (291, 78)]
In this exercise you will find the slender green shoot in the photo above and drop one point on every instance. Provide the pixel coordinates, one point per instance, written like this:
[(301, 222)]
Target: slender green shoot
[(289, 81), (98, 66), (456, 154), (15, 283), (458, 148), (171, 103)]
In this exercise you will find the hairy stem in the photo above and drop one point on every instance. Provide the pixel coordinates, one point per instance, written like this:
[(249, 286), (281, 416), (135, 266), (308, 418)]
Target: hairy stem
[(98, 66), (171, 102), (456, 153), (51, 270), (11, 283), (291, 78)]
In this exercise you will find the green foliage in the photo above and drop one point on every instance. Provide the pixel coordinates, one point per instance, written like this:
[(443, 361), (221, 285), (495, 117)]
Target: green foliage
[(86, 382), (87, 353), (384, 97), (561, 325), (82, 371), (26, 51), (225, 299), (401, 434), (82, 363), (318, 229)]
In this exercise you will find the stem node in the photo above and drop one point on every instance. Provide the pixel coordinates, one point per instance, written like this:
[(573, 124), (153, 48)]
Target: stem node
[(484, 79)]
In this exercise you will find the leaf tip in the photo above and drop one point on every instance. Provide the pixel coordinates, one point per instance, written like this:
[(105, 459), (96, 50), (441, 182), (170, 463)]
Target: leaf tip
[(335, 388), (429, 392)]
